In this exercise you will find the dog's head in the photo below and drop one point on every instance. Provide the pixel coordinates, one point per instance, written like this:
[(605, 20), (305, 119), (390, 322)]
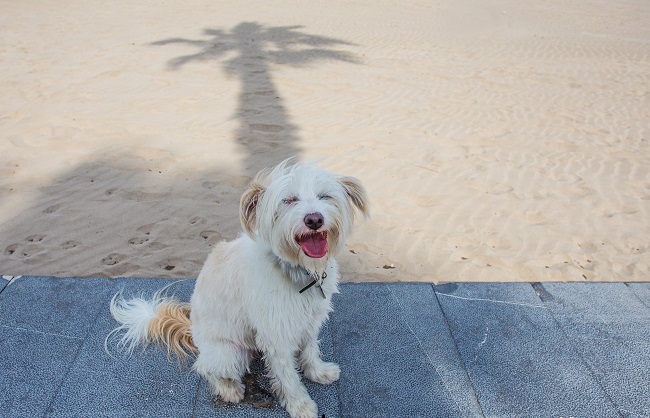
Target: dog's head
[(305, 214)]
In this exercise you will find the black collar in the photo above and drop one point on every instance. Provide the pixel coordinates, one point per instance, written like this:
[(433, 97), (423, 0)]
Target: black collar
[(318, 281), (295, 272)]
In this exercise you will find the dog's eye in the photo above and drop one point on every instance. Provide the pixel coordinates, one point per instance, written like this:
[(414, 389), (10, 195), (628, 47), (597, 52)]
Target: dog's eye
[(290, 200), (324, 196)]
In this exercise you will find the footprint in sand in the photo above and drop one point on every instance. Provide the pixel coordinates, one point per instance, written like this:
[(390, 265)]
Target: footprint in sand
[(266, 128), (25, 250), (35, 238), (113, 259), (209, 184), (197, 220), (211, 237), (157, 246), (12, 249), (256, 94), (208, 234), (138, 241), (70, 244), (249, 112), (17, 250), (146, 229), (167, 264), (52, 209), (136, 195)]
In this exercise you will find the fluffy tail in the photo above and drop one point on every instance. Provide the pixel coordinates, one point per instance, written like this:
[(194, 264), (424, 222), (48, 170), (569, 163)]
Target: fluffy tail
[(163, 320)]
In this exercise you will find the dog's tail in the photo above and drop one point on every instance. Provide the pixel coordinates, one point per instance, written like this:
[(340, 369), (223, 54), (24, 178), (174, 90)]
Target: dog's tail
[(162, 319)]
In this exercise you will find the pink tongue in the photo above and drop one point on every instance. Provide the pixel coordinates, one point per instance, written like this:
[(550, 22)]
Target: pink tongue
[(315, 245)]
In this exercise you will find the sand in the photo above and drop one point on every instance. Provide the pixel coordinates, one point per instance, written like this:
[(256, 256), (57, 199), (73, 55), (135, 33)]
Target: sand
[(499, 140)]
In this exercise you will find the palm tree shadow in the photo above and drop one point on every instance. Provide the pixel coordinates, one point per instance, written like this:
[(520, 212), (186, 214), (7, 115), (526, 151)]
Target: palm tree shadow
[(248, 51)]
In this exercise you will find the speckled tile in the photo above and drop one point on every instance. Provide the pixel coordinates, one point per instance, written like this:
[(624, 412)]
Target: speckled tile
[(518, 358), (143, 384), (386, 369), (405, 349), (610, 327)]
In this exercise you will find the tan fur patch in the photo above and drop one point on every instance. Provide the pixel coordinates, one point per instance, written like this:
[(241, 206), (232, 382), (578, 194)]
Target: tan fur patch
[(248, 207), (171, 328), (356, 193)]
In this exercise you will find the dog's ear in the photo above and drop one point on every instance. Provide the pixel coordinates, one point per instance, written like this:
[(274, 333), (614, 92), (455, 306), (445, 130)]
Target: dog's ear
[(357, 194), (248, 206)]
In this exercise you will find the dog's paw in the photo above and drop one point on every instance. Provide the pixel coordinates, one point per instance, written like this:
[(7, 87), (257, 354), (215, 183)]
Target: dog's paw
[(324, 373), (302, 408), (230, 390)]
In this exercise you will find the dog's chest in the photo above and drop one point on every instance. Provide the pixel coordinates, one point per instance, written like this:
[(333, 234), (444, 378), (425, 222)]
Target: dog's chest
[(310, 308), (310, 311)]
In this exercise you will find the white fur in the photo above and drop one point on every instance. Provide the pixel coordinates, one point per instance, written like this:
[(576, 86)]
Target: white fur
[(134, 315), (247, 297)]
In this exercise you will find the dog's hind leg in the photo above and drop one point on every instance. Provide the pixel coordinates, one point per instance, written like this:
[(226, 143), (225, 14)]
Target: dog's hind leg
[(223, 364), (314, 368)]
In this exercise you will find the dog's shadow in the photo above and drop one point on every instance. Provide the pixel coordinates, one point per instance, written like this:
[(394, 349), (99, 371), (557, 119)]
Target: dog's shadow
[(258, 392)]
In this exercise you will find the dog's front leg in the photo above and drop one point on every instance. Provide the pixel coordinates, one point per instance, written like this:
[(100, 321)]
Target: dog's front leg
[(285, 380), (314, 368)]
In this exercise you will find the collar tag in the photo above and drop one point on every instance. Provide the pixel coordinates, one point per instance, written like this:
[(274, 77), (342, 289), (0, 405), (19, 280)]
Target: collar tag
[(318, 281)]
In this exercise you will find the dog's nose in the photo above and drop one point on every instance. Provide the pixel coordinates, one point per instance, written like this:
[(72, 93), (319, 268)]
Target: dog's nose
[(314, 220)]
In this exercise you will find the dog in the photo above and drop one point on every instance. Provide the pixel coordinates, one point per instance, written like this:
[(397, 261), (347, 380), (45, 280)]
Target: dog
[(268, 291)]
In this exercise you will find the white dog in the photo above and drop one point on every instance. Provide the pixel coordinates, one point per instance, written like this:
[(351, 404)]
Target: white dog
[(269, 290)]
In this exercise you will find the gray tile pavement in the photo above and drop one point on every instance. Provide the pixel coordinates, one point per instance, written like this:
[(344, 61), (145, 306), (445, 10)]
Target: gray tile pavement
[(405, 350)]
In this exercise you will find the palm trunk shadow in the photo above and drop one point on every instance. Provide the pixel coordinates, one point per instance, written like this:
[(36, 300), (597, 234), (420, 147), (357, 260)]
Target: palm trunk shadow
[(265, 134), (264, 127)]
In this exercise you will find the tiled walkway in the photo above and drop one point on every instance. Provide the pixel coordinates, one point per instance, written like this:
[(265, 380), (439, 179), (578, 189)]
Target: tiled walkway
[(405, 350)]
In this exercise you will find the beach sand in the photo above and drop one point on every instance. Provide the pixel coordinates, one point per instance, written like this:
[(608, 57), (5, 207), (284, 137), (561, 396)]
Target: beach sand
[(499, 140)]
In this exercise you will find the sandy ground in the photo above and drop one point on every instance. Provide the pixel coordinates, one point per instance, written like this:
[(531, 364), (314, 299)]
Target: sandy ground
[(499, 140)]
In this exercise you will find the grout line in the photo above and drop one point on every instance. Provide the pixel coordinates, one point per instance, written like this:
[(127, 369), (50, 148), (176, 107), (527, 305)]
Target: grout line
[(585, 363), (458, 355), (338, 382), (9, 281), (52, 334), (491, 300), (643, 302), (196, 399), (84, 341), (421, 346)]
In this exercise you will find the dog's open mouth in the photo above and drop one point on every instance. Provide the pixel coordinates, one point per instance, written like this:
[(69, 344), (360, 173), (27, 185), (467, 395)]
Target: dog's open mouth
[(313, 244)]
